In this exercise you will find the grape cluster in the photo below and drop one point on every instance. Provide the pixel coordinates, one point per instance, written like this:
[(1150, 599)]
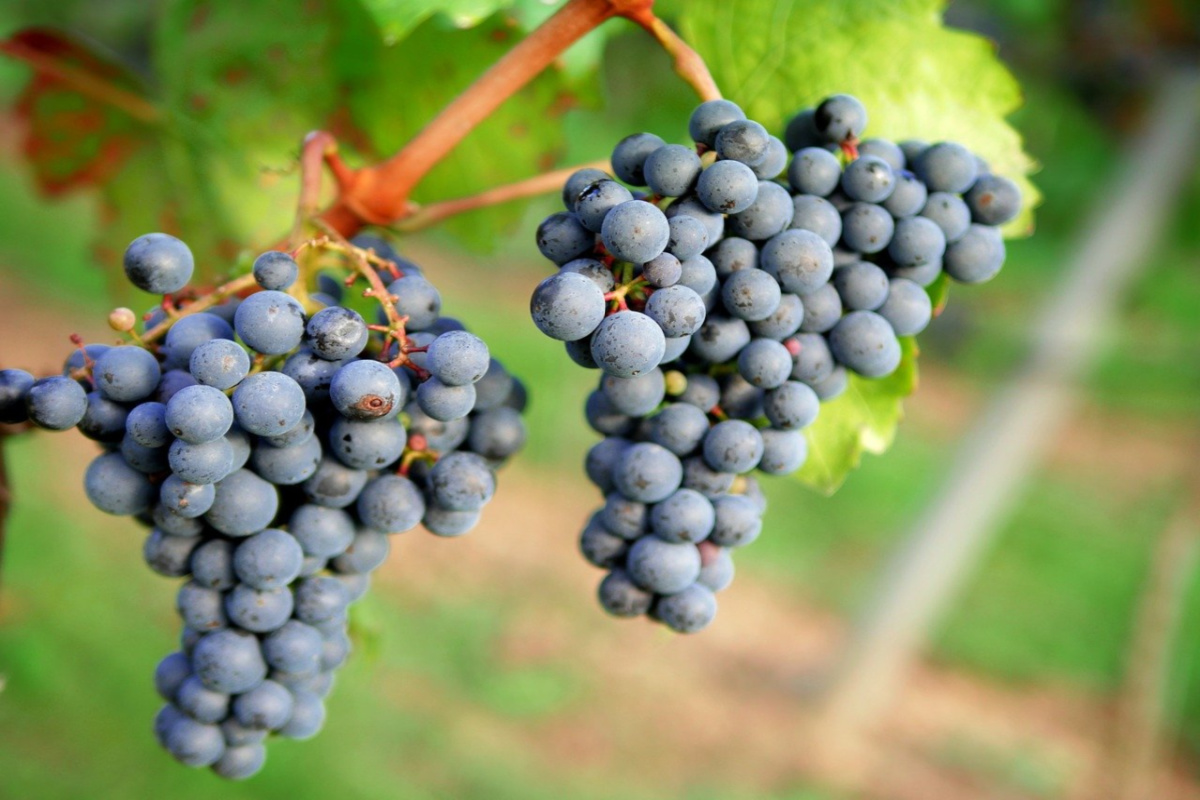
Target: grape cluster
[(723, 305), (272, 454)]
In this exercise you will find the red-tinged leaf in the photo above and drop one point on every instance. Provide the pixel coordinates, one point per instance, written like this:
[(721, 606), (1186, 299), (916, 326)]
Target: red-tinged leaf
[(83, 113)]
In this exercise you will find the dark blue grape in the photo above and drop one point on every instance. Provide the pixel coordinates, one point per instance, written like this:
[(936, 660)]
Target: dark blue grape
[(946, 167), (993, 200), (321, 531), (647, 472), (635, 231), (688, 236), (334, 484), (219, 363), (672, 170), (784, 452), (977, 256), (720, 339), (800, 260), (685, 516), (258, 611), (200, 463), (268, 404), (816, 214), (275, 270), (168, 555), (158, 263), (270, 322), (770, 213), (812, 361), (861, 285), (14, 387), (621, 597), (192, 743), (909, 196), (738, 521), (774, 162), (124, 374), (116, 488), (367, 445), (917, 241), (690, 206), (336, 333), (866, 227), (864, 342), (764, 363), (461, 482), (186, 499), (742, 140), (950, 213), (727, 187), (680, 427), (580, 180), (710, 117), (784, 322), (417, 299), (840, 117), (630, 154), (391, 504), (751, 294), (663, 567), (212, 565), (889, 152), (662, 271), (689, 611), (103, 419), (627, 344), (201, 704), (907, 308), (245, 504), (229, 661), (567, 306), (594, 202), (733, 446)]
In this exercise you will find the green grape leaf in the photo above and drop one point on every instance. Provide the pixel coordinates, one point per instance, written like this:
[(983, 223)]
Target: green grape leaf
[(862, 419), (917, 78), (72, 138), (523, 137)]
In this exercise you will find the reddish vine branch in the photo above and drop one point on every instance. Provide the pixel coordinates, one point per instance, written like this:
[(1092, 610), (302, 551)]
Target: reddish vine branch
[(379, 194), (429, 215)]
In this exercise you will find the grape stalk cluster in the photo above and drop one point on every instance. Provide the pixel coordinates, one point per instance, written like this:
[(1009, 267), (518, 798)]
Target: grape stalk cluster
[(272, 454), (724, 290)]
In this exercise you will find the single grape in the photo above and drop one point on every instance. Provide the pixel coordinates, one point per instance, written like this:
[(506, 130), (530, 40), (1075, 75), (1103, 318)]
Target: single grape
[(308, 716), (816, 214), (441, 522), (623, 517), (103, 419), (737, 521), (977, 256), (814, 171), (245, 504), (763, 363), (720, 339), (685, 516), (784, 452), (458, 358), (784, 322), (663, 567), (268, 560), (367, 445), (321, 599), (170, 674), (637, 396), (567, 306), (158, 263), (461, 482), (14, 387), (710, 117), (861, 285), (661, 271), (690, 206), (742, 140), (580, 180), (124, 374), (680, 427), (672, 170), (689, 611), (200, 463), (192, 743), (336, 333), (727, 187), (909, 196), (889, 152), (647, 472), (630, 154), (200, 703), (116, 488), (186, 499), (868, 179), (321, 531), (275, 270), (417, 299), (688, 236), (950, 213), (229, 661), (907, 308), (993, 200), (800, 260), (169, 555), (260, 611), (201, 608), (770, 213), (240, 762), (677, 310), (561, 238), (391, 504), (751, 294), (444, 402), (199, 414), (840, 117), (833, 385), (635, 231), (295, 647), (917, 241), (212, 565), (774, 162), (946, 167), (812, 362), (711, 483), (865, 343), (733, 446), (627, 344), (601, 548), (219, 363), (621, 597), (594, 202), (268, 404), (866, 227)]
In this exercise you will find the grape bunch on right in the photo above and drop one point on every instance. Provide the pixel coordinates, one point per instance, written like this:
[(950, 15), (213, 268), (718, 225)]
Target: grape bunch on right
[(724, 290)]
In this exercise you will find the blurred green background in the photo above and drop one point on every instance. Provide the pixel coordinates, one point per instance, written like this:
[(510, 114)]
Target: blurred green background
[(484, 668)]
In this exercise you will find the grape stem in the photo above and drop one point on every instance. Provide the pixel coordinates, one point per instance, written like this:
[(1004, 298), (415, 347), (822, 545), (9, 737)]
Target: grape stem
[(215, 297), (429, 215), (379, 194)]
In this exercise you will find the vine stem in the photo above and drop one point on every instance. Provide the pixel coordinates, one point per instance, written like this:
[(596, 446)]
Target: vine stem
[(379, 194), (432, 214), (137, 107)]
